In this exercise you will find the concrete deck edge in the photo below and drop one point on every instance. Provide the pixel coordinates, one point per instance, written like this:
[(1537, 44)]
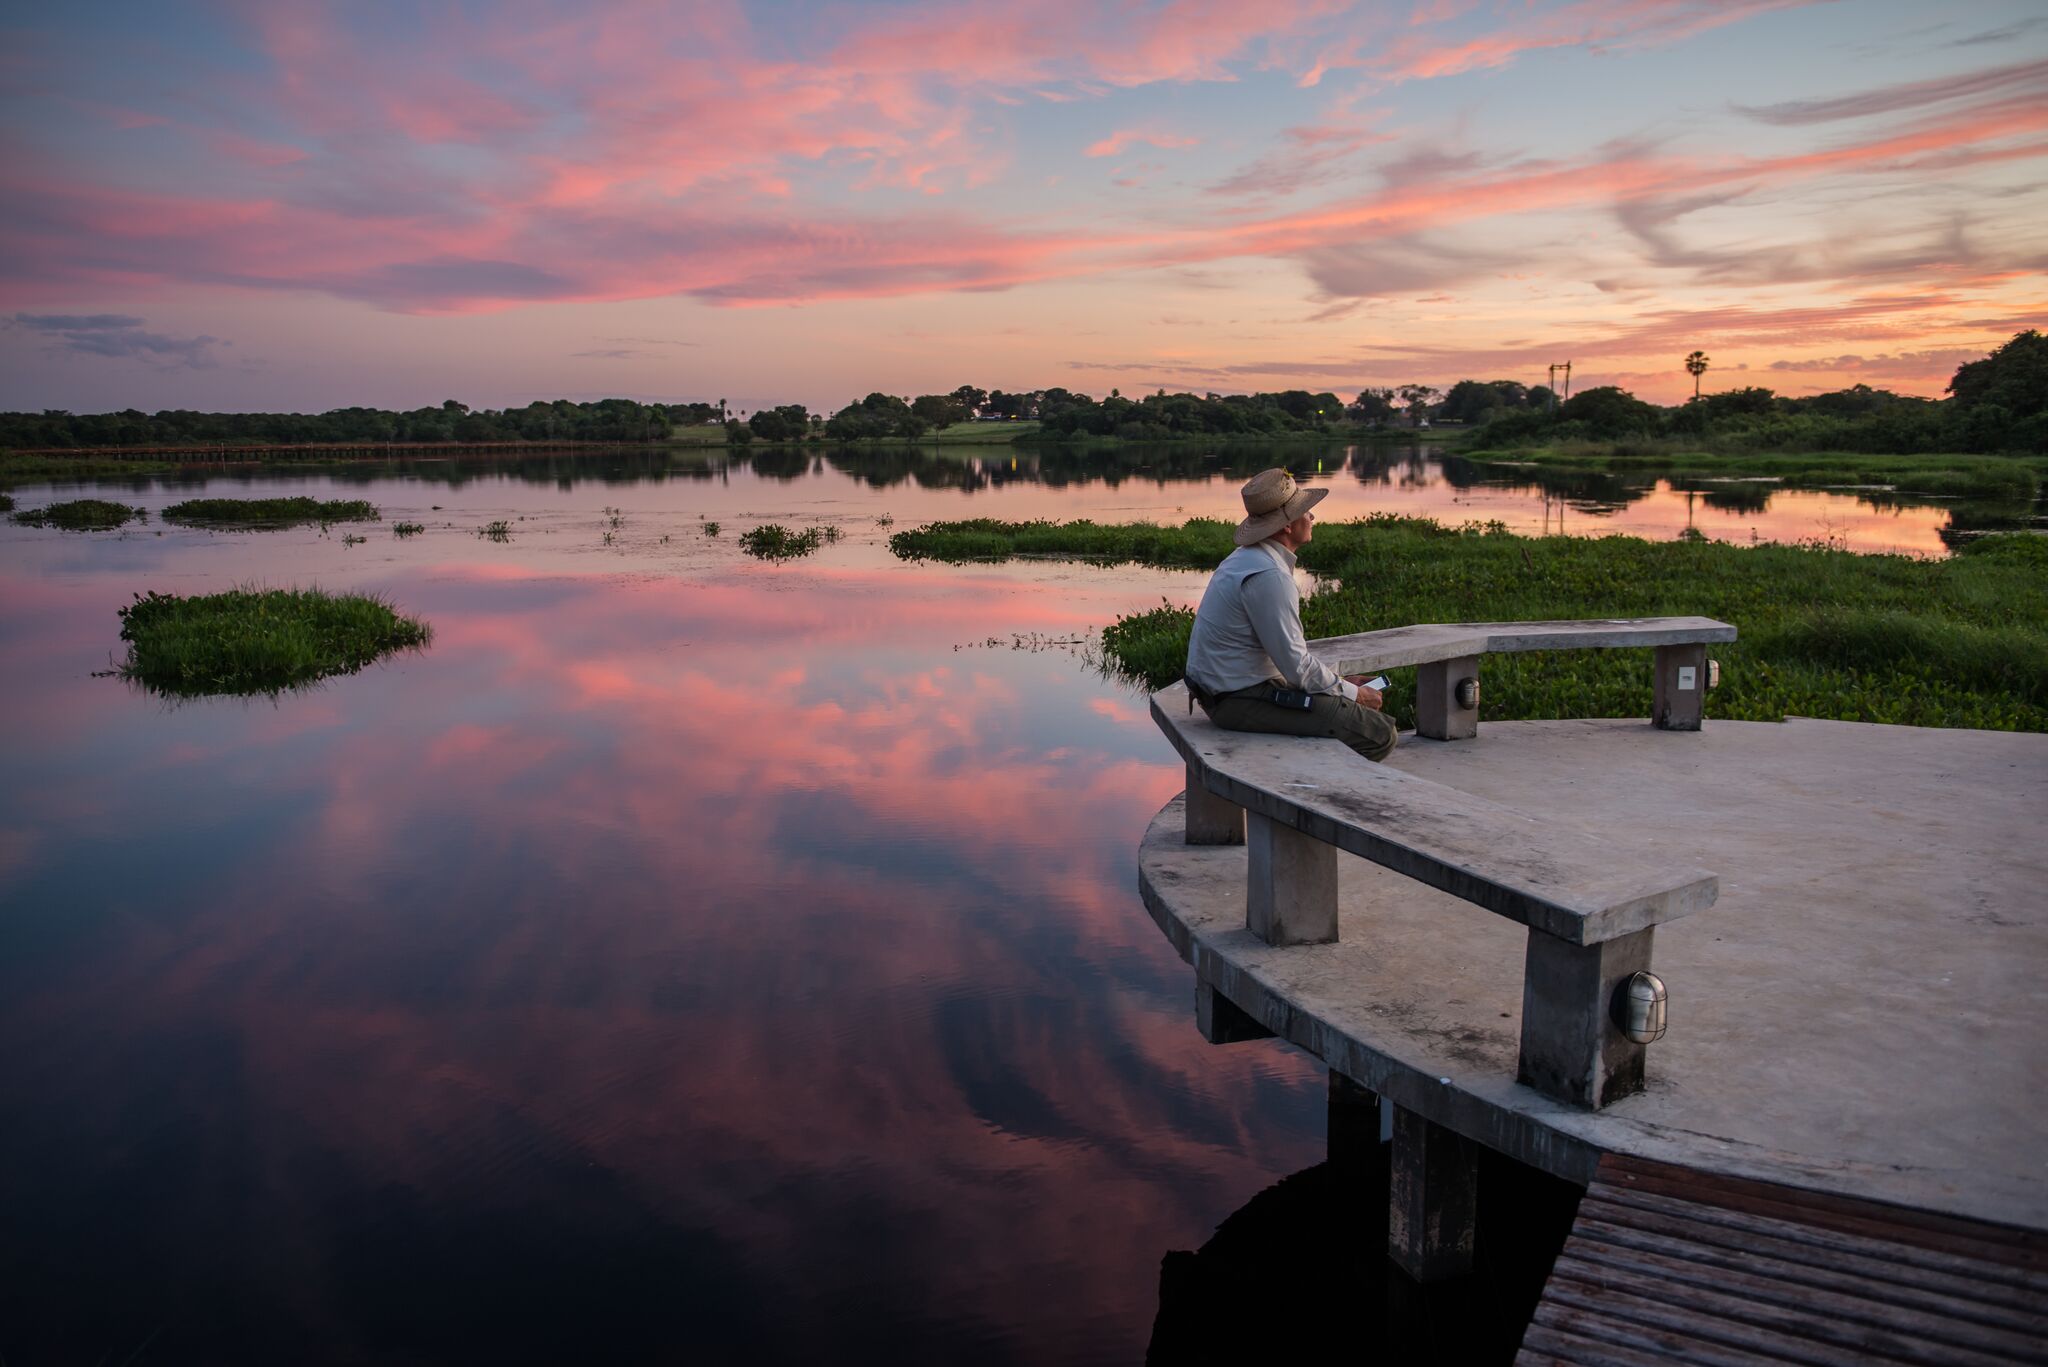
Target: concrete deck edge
[(1495, 1111)]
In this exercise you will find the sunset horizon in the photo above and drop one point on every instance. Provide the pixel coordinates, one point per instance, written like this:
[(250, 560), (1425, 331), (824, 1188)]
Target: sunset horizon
[(299, 208)]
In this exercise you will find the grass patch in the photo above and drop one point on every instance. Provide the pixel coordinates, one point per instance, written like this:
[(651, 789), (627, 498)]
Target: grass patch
[(82, 515), (1824, 633), (1198, 544), (979, 433), (18, 469), (257, 640), (268, 513), (501, 530), (6, 503), (404, 529), (1995, 478), (772, 541)]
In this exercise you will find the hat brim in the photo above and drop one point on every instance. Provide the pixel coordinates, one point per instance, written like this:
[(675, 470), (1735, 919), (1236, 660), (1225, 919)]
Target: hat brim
[(1253, 530)]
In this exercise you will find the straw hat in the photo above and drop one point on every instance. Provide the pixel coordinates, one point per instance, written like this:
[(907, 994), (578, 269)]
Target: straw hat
[(1272, 500)]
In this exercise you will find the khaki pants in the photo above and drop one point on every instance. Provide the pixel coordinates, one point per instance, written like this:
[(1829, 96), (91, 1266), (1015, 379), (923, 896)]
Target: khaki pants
[(1368, 732)]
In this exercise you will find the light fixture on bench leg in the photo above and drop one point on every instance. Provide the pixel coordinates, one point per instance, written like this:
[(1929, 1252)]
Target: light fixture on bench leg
[(1468, 694), (1640, 1007)]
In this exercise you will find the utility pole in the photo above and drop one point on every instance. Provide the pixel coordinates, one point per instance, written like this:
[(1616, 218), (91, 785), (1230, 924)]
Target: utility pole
[(1566, 367)]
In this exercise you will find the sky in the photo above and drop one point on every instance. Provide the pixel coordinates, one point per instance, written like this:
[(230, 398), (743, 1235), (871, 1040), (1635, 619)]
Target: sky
[(263, 205)]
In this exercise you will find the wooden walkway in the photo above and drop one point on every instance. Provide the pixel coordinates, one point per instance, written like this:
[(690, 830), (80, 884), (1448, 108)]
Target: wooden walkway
[(1670, 1265)]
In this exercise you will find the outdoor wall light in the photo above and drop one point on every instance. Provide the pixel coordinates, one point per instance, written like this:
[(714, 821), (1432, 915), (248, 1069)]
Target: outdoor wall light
[(1713, 673), (1639, 1007), (1468, 693)]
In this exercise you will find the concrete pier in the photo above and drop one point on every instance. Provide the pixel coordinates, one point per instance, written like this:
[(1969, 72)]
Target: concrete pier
[(1862, 1013)]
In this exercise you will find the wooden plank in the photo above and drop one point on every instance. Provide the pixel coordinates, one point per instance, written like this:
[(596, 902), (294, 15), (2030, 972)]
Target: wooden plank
[(1864, 1305), (1565, 1324), (1626, 1241), (1993, 1275), (1926, 1229), (1631, 1307), (1799, 1335), (1563, 882), (2005, 1303)]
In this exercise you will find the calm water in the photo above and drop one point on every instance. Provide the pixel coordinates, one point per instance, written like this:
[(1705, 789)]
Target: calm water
[(685, 959)]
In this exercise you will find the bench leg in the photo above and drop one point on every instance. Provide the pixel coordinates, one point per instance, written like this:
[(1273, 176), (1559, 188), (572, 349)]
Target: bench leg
[(1437, 713), (1354, 1122), (1290, 886), (1221, 1020), (1571, 1047), (1432, 1199), (1681, 688), (1212, 820)]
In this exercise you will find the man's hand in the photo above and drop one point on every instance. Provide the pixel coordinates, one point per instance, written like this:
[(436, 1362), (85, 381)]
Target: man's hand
[(1367, 697)]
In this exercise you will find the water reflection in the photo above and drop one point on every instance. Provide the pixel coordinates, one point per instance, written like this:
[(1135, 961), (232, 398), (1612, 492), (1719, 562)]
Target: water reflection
[(721, 964), (1176, 480), (1300, 1273)]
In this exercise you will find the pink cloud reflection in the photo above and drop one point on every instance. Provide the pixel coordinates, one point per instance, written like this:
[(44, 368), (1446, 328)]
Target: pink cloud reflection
[(720, 921)]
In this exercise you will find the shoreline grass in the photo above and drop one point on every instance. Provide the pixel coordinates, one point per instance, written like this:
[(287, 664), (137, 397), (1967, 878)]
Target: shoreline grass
[(1198, 544), (772, 541), (1990, 478), (258, 640), (1824, 632), (268, 514), (82, 515), (16, 469)]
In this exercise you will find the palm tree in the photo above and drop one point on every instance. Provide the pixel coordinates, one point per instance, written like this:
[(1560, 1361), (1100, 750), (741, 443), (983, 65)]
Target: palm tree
[(1696, 366)]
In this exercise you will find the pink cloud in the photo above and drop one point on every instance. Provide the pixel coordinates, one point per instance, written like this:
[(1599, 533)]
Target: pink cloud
[(685, 164), (1598, 24), (255, 151), (1125, 137)]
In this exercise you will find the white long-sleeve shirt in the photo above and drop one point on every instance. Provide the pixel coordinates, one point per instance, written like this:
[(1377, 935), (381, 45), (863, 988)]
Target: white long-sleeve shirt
[(1248, 628)]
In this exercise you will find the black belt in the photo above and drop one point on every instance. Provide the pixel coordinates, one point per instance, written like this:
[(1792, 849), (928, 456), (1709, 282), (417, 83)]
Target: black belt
[(1271, 690)]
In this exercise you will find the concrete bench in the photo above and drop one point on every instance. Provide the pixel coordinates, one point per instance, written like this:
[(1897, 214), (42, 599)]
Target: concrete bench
[(1591, 905), (1448, 654)]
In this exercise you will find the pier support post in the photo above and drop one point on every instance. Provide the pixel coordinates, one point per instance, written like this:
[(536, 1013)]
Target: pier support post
[(1354, 1121), (1571, 1048), (1291, 884), (1438, 714), (1432, 1199), (1212, 820), (1223, 1021), (1680, 692)]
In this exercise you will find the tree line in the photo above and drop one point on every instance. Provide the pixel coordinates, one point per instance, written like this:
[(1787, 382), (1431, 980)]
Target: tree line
[(607, 420), (1998, 403)]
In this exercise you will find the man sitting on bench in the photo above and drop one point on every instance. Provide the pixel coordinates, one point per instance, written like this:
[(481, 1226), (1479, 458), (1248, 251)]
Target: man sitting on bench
[(1248, 662)]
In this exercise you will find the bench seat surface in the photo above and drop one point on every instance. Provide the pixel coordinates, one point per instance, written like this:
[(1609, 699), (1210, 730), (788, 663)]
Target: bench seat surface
[(1554, 878), (1423, 644)]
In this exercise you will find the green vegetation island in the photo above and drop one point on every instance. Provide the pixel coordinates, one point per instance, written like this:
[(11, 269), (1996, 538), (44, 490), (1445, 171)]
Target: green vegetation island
[(1998, 404), (81, 515), (258, 641), (269, 514), (1825, 633)]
